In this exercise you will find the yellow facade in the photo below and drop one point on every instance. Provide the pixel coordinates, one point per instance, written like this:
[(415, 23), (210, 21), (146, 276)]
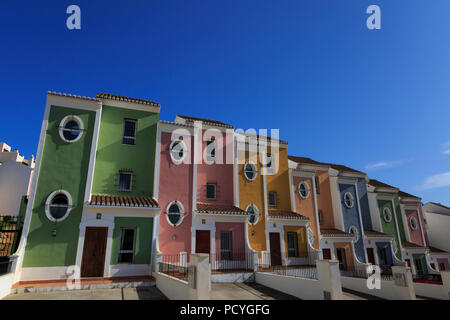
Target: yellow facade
[(301, 238), (252, 192)]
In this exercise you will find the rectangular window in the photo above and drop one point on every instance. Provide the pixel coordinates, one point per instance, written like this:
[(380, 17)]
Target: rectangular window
[(124, 181), (225, 245), (129, 132), (269, 160), (126, 250), (292, 244), (272, 198), (316, 182), (211, 150), (326, 254), (441, 267), (210, 191)]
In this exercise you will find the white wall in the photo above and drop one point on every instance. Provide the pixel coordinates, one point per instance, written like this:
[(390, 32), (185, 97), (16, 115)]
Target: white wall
[(14, 182), (173, 288), (388, 289), (6, 282), (435, 291), (307, 289), (438, 226)]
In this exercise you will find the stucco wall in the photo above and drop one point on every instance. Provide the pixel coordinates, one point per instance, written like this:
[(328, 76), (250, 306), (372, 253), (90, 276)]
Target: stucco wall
[(439, 226), (389, 227), (364, 204), (237, 236), (351, 218), (6, 281), (113, 156), (175, 183), (302, 288), (63, 166), (324, 200), (307, 206), (14, 182), (415, 235)]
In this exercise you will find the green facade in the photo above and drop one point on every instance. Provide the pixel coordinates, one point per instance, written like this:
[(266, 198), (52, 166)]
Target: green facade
[(143, 238), (113, 156), (420, 262), (389, 227), (63, 166)]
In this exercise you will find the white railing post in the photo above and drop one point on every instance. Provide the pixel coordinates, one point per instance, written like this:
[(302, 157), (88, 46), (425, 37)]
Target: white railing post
[(329, 277), (446, 283)]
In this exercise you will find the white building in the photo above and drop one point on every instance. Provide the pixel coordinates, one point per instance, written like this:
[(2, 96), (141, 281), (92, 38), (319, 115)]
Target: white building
[(438, 225), (16, 173)]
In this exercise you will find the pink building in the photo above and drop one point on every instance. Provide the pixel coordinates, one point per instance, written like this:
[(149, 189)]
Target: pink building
[(196, 173)]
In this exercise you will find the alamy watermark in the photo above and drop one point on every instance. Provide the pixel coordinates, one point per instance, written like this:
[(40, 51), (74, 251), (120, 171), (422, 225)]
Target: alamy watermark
[(73, 21)]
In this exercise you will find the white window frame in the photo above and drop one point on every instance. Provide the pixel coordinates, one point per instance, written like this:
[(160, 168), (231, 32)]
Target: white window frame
[(182, 212), (351, 198), (386, 209), (48, 203), (253, 166), (129, 137), (63, 123), (308, 191), (411, 224), (126, 251), (184, 148), (356, 234), (131, 181), (255, 208)]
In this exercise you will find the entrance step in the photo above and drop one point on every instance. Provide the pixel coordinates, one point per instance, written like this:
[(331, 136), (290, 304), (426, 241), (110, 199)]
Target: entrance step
[(85, 284)]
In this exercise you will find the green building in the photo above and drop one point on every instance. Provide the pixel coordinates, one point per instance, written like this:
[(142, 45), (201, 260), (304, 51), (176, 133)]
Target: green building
[(92, 199)]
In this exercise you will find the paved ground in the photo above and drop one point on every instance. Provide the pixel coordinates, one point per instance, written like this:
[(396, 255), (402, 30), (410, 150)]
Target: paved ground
[(146, 293), (246, 291)]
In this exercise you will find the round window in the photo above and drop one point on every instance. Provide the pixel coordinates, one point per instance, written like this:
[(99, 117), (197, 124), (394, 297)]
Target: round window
[(348, 200), (71, 129), (58, 205), (387, 215), (354, 231), (413, 223), (177, 150), (250, 171), (303, 189), (253, 214), (175, 213)]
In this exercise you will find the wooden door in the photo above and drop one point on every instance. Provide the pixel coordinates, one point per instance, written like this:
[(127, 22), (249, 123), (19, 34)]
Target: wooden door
[(202, 241), (371, 255), (275, 249), (326, 254), (94, 252)]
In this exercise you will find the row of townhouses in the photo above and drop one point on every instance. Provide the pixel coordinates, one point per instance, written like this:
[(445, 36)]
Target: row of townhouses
[(115, 188)]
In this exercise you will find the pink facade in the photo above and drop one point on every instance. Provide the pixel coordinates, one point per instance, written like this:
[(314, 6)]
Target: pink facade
[(175, 183), (237, 235), (219, 173), (443, 264), (415, 235)]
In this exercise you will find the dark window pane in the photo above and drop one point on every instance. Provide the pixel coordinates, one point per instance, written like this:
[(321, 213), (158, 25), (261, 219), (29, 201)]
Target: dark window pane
[(292, 244), (126, 257), (59, 206), (272, 200), (125, 181), (71, 130), (127, 239), (174, 218), (210, 191), (225, 245), (174, 209), (129, 132)]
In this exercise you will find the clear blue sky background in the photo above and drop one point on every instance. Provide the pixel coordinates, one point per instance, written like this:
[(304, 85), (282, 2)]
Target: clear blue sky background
[(377, 101)]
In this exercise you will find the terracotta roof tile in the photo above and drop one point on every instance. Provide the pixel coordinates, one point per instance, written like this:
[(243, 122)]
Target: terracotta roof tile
[(123, 201), (219, 209), (373, 233), (286, 215), (110, 96), (303, 160), (407, 195), (339, 167), (208, 121), (436, 250), (335, 233), (406, 244), (379, 184)]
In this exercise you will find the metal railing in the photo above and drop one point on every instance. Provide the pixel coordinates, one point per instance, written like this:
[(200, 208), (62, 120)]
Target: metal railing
[(174, 266), (302, 267), (10, 233), (5, 266), (224, 262), (363, 272)]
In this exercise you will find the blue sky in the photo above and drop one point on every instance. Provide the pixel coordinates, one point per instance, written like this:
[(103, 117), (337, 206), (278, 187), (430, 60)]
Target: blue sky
[(375, 100)]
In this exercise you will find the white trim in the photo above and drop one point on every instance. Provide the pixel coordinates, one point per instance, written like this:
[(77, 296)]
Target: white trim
[(355, 237), (184, 148), (130, 105), (49, 200), (255, 169), (62, 128), (236, 175), (292, 190), (182, 212), (257, 214), (266, 212), (308, 191), (93, 156), (157, 163), (352, 200), (316, 209), (399, 237)]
